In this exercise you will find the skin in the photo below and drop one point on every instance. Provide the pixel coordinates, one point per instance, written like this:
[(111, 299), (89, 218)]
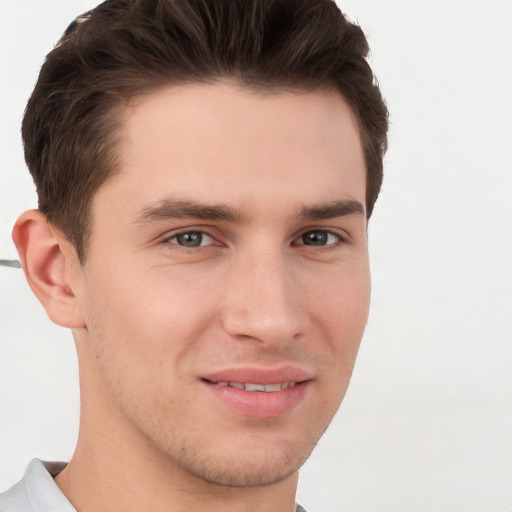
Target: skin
[(265, 288)]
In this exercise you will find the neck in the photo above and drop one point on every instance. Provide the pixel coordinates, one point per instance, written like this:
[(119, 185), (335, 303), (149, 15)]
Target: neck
[(115, 467), (103, 477)]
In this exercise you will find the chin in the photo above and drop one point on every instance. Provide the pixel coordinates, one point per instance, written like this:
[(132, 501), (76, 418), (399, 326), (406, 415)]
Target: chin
[(253, 466), (245, 473)]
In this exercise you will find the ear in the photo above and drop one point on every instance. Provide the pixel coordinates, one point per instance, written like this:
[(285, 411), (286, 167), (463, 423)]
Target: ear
[(49, 262)]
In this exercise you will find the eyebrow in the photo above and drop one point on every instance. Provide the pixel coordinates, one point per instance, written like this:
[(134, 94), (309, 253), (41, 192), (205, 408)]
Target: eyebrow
[(182, 209), (332, 210)]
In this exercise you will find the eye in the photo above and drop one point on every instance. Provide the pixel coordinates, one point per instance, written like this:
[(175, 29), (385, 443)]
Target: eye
[(318, 238), (191, 239)]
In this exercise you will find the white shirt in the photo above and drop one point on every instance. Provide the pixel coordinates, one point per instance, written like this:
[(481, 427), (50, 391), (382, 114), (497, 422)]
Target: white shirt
[(38, 492)]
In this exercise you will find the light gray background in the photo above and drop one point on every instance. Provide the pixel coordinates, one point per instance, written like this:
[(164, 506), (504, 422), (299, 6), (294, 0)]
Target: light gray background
[(427, 423)]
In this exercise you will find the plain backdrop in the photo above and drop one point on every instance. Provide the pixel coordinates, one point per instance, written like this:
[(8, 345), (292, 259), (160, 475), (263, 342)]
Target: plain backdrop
[(427, 422)]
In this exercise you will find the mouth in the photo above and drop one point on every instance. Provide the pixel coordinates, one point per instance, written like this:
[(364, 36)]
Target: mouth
[(262, 388), (259, 393)]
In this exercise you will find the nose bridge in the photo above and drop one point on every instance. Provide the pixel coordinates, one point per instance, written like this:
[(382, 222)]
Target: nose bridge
[(262, 302)]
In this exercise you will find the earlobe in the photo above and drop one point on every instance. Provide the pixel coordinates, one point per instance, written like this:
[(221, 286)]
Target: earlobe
[(48, 262)]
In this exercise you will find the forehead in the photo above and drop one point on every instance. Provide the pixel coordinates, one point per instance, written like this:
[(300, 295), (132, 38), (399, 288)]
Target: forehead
[(226, 144)]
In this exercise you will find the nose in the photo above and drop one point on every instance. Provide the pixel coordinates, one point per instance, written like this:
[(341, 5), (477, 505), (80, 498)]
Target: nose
[(262, 301)]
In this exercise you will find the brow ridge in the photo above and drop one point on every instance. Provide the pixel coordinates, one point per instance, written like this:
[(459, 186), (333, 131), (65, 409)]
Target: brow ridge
[(339, 208), (179, 209)]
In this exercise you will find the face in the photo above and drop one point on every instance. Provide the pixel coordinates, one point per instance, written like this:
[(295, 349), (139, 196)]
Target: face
[(226, 286)]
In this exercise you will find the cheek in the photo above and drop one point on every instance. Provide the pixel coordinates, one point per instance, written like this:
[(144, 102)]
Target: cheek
[(149, 317), (343, 304), (342, 313)]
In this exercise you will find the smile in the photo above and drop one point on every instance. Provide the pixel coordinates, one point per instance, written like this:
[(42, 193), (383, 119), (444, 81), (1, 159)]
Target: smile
[(266, 388), (258, 400)]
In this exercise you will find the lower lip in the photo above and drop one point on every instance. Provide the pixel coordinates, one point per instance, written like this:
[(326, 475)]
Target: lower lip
[(260, 404)]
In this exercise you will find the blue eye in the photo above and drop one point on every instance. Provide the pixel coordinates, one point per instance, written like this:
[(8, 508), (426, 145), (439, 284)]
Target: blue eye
[(191, 239), (318, 238)]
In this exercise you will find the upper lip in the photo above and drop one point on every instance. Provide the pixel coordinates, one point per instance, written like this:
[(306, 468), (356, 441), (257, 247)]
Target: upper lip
[(259, 375)]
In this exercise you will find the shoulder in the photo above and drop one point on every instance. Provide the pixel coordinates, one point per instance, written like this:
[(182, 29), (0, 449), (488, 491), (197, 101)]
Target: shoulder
[(37, 491), (15, 499)]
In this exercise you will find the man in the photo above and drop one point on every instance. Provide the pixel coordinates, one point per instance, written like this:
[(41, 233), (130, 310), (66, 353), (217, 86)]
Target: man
[(205, 173)]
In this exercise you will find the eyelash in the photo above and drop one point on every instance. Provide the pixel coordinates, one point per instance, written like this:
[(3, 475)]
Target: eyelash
[(189, 232), (324, 232)]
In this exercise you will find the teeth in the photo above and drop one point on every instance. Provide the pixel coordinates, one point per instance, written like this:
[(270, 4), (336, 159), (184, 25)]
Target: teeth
[(257, 387), (254, 387)]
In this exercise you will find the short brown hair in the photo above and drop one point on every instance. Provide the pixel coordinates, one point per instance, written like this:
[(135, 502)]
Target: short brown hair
[(125, 48)]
